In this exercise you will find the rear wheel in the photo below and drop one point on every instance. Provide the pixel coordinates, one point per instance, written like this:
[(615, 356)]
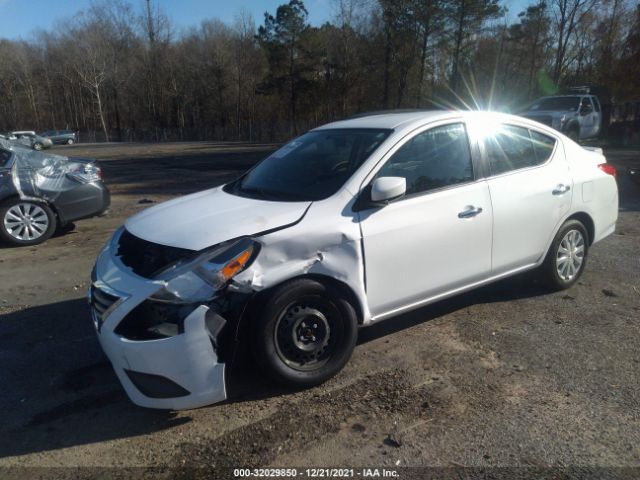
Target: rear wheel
[(305, 333), (26, 222), (567, 256), (38, 146)]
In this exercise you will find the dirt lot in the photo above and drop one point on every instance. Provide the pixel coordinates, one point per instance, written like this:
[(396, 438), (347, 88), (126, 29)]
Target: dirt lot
[(508, 375)]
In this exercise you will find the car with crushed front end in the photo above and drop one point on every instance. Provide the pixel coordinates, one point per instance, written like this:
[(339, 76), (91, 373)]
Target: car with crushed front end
[(41, 192), (31, 139), (352, 223)]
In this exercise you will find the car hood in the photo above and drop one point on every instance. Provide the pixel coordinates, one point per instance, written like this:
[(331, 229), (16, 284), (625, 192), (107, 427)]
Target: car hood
[(210, 217)]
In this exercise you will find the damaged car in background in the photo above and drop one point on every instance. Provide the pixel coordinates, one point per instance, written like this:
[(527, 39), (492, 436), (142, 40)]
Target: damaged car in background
[(40, 192), (31, 139), (350, 224)]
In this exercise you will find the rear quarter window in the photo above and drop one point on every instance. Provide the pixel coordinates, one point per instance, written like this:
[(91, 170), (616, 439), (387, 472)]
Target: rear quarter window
[(543, 146), (510, 148)]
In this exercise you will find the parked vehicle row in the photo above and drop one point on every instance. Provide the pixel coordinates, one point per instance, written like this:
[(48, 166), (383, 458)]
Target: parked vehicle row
[(42, 140), (347, 225)]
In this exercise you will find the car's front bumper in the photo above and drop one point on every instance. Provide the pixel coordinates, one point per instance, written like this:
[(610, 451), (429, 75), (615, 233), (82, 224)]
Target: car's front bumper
[(177, 372)]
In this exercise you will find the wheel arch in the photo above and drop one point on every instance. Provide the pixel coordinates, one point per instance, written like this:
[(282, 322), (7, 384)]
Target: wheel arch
[(344, 290), (587, 221), (53, 208)]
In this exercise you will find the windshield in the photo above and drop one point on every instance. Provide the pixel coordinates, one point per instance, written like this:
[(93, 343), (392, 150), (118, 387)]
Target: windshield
[(556, 103), (311, 167)]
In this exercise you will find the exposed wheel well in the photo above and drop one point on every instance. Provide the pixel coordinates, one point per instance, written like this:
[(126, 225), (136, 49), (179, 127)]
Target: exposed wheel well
[(587, 221), (344, 290)]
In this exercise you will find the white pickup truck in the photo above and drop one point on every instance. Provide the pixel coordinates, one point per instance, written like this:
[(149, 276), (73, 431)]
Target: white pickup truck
[(577, 116)]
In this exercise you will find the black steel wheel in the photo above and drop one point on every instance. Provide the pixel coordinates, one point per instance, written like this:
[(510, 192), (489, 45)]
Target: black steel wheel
[(304, 334)]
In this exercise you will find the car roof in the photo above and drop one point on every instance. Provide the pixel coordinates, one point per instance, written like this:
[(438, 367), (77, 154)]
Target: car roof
[(390, 120)]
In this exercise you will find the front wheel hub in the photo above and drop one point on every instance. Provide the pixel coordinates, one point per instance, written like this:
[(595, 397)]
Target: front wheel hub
[(303, 336)]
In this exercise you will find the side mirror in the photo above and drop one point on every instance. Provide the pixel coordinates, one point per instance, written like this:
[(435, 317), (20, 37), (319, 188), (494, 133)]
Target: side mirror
[(385, 189)]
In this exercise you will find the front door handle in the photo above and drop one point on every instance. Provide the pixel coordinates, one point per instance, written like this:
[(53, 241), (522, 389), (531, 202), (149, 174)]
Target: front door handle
[(470, 211), (561, 189)]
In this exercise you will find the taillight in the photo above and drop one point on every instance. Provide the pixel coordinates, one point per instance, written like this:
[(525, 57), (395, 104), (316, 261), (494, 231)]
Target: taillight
[(608, 168)]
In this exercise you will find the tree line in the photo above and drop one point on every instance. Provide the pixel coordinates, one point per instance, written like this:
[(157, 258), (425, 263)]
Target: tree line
[(120, 71)]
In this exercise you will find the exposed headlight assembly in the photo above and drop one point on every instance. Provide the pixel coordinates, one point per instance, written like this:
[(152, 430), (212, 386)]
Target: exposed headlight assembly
[(198, 279)]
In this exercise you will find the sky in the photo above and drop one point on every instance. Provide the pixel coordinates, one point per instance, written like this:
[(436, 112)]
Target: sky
[(19, 18)]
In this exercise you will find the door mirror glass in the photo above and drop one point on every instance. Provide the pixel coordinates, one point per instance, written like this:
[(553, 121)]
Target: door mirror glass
[(388, 188)]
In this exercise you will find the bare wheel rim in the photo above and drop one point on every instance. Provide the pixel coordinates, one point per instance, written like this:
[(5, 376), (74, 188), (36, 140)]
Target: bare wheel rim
[(570, 255), (307, 334), (26, 221)]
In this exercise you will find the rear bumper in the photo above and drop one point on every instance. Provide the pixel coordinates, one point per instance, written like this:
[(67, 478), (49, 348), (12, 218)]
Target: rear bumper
[(176, 372), (87, 200)]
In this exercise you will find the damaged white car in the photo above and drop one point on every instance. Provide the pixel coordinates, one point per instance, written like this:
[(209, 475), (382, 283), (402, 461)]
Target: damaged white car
[(349, 224)]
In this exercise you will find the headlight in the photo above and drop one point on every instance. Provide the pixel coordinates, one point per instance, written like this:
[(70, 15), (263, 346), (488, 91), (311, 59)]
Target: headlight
[(198, 279)]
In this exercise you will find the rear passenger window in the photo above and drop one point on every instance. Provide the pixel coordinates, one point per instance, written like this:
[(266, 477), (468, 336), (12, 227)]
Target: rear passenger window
[(510, 148), (436, 158), (543, 146)]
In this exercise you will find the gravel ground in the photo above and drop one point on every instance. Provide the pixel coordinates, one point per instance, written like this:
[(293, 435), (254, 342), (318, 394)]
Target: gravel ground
[(506, 376)]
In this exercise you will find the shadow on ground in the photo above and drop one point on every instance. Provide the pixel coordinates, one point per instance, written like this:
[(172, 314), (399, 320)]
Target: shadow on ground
[(247, 383), (59, 389)]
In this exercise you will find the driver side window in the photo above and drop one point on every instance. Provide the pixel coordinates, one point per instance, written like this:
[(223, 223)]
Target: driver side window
[(432, 159)]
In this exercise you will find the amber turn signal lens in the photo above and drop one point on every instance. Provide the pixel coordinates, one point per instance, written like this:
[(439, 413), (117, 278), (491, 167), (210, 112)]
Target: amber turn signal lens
[(236, 264)]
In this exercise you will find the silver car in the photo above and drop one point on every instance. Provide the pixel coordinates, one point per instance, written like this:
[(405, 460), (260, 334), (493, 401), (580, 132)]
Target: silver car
[(31, 139)]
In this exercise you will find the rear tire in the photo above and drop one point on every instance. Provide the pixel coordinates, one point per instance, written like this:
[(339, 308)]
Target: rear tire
[(304, 333), (38, 146), (25, 223), (567, 256)]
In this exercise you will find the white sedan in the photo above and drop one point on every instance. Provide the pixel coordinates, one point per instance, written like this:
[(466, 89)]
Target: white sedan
[(352, 223)]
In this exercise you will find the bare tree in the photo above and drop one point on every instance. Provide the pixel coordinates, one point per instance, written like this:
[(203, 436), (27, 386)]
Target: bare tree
[(568, 15)]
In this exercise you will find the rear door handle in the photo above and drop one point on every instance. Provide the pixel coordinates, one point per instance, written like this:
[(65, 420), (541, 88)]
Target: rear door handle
[(470, 211), (561, 189)]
